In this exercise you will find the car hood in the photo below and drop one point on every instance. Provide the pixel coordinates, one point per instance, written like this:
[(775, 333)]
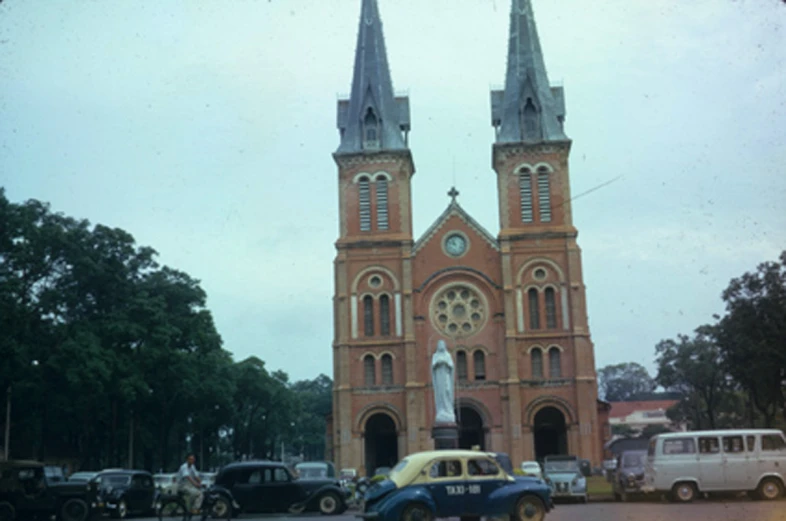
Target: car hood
[(633, 470), (562, 476), (378, 490)]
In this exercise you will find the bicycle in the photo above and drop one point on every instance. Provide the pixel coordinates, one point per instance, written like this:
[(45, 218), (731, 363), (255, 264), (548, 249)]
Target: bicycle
[(173, 507)]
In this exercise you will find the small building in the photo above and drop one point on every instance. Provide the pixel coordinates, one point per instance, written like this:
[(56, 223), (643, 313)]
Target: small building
[(638, 415)]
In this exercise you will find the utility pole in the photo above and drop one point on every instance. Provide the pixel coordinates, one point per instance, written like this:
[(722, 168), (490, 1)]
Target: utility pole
[(7, 421)]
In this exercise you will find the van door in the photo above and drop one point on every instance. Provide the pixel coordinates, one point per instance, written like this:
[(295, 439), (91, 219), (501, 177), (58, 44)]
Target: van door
[(737, 463), (772, 455), (711, 464)]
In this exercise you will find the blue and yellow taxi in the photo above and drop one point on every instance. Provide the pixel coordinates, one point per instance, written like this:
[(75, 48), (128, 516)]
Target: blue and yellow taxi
[(455, 483)]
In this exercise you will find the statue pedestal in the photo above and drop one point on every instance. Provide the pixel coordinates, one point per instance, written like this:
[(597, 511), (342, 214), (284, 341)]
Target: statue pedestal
[(445, 436)]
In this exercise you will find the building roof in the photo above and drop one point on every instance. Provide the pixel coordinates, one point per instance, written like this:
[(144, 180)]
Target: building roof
[(526, 80), (372, 89), (454, 208), (625, 409)]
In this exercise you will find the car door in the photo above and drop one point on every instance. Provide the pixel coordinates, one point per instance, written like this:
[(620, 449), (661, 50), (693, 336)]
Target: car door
[(447, 487), (246, 485), (280, 489), (711, 463), (135, 494), (484, 476), (33, 494), (737, 463)]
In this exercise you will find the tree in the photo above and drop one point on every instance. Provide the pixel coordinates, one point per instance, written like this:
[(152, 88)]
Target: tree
[(752, 335), (621, 382)]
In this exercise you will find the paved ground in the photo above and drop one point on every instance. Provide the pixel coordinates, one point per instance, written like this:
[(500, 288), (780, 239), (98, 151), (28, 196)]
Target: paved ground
[(715, 510)]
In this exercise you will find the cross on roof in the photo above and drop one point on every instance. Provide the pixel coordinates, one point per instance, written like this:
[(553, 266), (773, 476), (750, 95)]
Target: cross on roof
[(453, 193)]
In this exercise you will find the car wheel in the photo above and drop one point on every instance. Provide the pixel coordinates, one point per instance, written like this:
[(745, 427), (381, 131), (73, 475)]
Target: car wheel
[(121, 511), (221, 509), (530, 508), (684, 492), (769, 489), (74, 509), (329, 504), (7, 511), (416, 512)]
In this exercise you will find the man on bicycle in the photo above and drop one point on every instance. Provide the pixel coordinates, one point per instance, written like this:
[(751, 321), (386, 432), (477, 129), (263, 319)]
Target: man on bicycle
[(189, 484)]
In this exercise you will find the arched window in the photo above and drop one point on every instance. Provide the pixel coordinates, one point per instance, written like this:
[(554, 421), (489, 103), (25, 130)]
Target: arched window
[(479, 361), (369, 371), (525, 194), (364, 203), (555, 363), (384, 315), (536, 357), (368, 315), (382, 204), (530, 121), (534, 310), (551, 309), (461, 365), (544, 195), (370, 130), (387, 370)]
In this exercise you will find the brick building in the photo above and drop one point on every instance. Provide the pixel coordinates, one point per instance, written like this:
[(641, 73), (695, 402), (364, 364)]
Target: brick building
[(511, 308)]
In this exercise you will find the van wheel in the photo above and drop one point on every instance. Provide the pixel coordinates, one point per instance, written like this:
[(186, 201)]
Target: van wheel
[(74, 509), (769, 489), (684, 492), (7, 511)]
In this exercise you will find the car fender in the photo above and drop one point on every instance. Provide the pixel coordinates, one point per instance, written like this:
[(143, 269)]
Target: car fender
[(313, 497), (225, 492), (393, 505), (503, 500)]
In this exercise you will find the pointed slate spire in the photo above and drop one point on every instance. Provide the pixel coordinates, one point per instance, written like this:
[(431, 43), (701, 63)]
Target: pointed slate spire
[(373, 118), (529, 109)]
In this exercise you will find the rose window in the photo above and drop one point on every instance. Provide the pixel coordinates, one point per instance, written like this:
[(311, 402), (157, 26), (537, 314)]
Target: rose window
[(458, 311)]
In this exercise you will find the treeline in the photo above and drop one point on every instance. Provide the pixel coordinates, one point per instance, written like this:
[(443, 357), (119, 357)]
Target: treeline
[(109, 359), (730, 373)]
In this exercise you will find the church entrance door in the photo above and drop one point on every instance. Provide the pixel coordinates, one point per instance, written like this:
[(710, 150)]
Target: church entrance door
[(381, 443), (470, 428), (551, 434)]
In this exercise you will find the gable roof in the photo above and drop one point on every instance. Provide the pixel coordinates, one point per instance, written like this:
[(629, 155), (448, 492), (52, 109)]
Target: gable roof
[(625, 409), (455, 209)]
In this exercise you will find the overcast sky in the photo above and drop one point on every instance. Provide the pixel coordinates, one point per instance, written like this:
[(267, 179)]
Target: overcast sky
[(206, 129)]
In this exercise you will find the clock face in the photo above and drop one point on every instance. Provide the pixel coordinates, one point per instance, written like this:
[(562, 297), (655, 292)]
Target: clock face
[(455, 245)]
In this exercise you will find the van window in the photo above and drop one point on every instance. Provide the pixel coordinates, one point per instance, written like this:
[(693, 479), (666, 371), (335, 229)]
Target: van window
[(772, 442), (679, 446), (751, 442), (733, 444), (709, 445)]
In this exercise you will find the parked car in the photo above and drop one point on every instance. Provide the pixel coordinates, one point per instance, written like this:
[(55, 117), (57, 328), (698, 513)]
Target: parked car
[(126, 492), (629, 474), (25, 493), (165, 483), (269, 486), (82, 477), (451, 483), (532, 468), (563, 474), (315, 470)]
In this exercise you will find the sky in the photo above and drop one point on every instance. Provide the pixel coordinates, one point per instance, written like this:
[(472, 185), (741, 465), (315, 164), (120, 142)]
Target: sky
[(206, 128)]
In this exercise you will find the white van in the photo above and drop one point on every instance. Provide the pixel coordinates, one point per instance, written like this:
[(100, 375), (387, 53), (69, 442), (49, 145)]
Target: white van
[(684, 464)]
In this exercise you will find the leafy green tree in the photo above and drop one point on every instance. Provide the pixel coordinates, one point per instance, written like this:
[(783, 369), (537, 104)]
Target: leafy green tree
[(622, 382)]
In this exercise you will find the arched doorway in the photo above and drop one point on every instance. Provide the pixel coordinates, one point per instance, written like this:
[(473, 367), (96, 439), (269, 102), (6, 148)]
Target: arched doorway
[(470, 428), (550, 432), (381, 442)]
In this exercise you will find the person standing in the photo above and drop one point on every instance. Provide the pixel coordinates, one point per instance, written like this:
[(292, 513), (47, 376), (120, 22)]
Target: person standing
[(190, 484)]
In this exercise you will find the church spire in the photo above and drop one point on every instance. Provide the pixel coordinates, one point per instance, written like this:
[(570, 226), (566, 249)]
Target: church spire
[(529, 109), (372, 118)]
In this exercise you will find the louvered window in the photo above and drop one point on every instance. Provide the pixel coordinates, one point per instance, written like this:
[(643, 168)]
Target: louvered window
[(364, 203), (479, 359), (544, 196), (368, 315), (382, 204), (461, 365), (370, 130), (387, 370), (534, 310), (384, 315), (551, 309), (525, 193), (537, 363), (555, 363), (369, 371)]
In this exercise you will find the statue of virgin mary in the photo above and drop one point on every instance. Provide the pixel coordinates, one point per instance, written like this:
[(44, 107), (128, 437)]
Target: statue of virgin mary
[(442, 379)]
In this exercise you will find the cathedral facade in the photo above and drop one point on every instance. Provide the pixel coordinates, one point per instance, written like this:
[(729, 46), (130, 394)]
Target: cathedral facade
[(511, 308)]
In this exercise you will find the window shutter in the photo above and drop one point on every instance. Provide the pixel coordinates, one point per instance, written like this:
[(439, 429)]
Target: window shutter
[(368, 315), (555, 364), (384, 315), (382, 204), (537, 363), (461, 365), (544, 196), (551, 309), (525, 194), (369, 371), (387, 370), (479, 358), (364, 202), (534, 310)]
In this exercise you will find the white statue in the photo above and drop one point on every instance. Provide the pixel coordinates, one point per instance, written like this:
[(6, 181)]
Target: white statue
[(442, 378)]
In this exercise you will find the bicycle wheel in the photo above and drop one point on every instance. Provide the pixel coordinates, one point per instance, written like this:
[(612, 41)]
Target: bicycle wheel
[(172, 510)]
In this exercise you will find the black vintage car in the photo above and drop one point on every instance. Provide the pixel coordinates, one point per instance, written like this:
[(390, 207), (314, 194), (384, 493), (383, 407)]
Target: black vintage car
[(269, 486), (25, 493), (629, 474), (126, 492)]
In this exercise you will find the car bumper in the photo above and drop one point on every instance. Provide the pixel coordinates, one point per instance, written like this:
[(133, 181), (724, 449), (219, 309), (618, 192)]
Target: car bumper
[(647, 489)]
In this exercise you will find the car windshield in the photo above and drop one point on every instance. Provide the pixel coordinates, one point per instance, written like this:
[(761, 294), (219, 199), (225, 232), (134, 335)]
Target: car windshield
[(312, 473), (562, 466), (530, 466), (401, 465), (117, 480), (81, 477), (633, 460)]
